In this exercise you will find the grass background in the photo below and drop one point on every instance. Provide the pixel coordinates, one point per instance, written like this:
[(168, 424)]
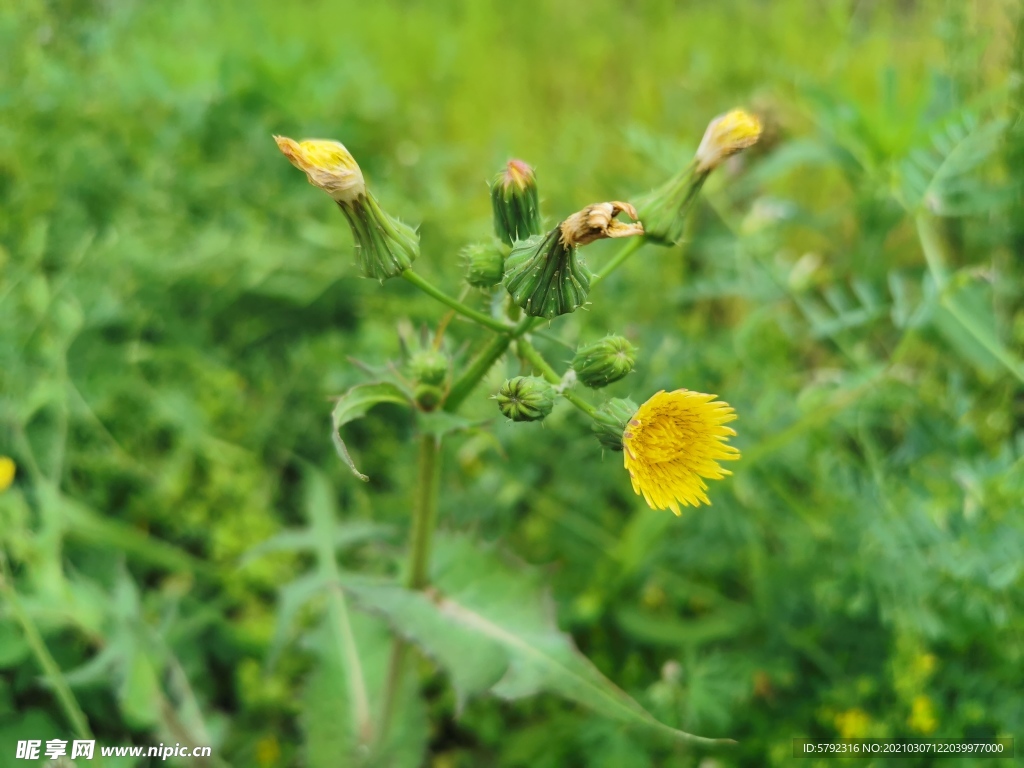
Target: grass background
[(177, 306)]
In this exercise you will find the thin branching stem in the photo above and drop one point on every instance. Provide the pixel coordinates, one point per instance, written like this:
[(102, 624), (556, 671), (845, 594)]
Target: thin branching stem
[(431, 290)]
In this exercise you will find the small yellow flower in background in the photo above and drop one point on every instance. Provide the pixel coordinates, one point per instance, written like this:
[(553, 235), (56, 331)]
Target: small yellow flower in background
[(853, 724), (922, 716), (327, 165), (7, 472), (726, 135), (673, 442)]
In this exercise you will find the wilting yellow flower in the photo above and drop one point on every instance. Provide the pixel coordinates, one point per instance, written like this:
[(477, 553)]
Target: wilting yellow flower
[(727, 135), (7, 470), (327, 164), (673, 442), (545, 275)]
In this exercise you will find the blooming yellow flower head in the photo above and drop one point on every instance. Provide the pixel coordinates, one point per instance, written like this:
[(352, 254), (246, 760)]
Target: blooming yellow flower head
[(673, 442), (726, 135), (327, 164), (7, 471)]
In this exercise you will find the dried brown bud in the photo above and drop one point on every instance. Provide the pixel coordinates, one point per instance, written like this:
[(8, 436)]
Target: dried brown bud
[(598, 221)]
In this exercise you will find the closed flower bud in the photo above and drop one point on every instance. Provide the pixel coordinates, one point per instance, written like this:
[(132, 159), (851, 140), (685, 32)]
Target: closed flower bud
[(526, 398), (611, 421), (545, 275), (726, 135), (485, 263), (603, 362), (428, 366), (515, 201), (385, 247), (428, 396), (665, 209)]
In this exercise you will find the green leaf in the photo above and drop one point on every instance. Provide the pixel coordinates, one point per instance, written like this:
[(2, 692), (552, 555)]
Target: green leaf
[(139, 695), (485, 617), (337, 733), (13, 647), (943, 177), (353, 405), (305, 539), (673, 631)]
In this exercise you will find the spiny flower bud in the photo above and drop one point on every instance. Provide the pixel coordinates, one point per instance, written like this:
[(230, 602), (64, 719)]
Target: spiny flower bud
[(385, 247), (428, 366), (485, 263), (603, 362), (611, 420), (544, 274), (664, 210), (515, 201), (726, 135), (526, 398)]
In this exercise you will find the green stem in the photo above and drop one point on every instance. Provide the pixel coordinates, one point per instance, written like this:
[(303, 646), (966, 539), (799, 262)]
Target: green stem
[(536, 359), (431, 290), (618, 260), (477, 369), (496, 347), (425, 513), (423, 523), (45, 659), (934, 253)]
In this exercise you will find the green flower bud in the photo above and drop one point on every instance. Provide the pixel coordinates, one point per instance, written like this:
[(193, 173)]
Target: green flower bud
[(515, 201), (385, 247), (428, 366), (545, 275), (664, 210), (485, 263), (603, 362), (428, 396), (611, 420), (526, 398)]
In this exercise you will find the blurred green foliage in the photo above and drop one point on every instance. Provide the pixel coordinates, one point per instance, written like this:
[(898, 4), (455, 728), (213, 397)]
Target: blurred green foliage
[(177, 308)]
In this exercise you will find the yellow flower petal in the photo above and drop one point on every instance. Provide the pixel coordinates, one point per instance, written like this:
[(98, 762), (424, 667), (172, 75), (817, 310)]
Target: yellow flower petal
[(673, 443), (7, 471), (327, 165), (726, 135)]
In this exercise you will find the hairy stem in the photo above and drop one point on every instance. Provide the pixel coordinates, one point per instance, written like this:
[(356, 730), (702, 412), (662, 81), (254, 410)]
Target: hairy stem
[(423, 523), (634, 245), (536, 359), (431, 290)]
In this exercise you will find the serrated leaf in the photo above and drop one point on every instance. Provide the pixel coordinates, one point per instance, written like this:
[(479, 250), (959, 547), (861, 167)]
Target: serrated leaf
[(329, 716), (483, 611), (353, 405)]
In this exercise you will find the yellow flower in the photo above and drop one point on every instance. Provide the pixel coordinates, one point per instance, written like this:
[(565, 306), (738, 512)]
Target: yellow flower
[(7, 470), (673, 442), (726, 135), (853, 723), (327, 164), (922, 715)]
